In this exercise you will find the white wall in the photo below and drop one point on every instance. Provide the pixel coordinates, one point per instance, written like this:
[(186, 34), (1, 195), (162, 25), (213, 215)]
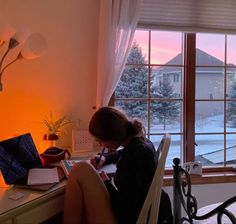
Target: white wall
[(64, 79)]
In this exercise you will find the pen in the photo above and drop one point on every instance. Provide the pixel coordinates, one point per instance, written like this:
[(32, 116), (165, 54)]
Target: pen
[(101, 154)]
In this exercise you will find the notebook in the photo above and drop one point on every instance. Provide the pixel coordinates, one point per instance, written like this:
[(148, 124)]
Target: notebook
[(17, 156), (67, 165)]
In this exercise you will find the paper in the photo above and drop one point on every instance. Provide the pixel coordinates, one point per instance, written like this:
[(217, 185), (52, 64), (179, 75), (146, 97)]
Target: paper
[(42, 176), (16, 195)]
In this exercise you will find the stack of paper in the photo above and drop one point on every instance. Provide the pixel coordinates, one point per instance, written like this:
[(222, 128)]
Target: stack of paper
[(42, 176)]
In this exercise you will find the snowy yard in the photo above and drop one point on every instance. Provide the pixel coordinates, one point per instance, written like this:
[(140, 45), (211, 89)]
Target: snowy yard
[(206, 144)]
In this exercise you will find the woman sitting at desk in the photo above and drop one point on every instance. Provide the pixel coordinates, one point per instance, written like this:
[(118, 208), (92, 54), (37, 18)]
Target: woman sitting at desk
[(91, 197)]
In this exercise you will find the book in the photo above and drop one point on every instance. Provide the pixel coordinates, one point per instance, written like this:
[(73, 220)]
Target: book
[(67, 165), (42, 176)]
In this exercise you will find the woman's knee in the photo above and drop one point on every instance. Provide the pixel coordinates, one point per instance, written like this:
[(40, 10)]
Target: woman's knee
[(81, 169)]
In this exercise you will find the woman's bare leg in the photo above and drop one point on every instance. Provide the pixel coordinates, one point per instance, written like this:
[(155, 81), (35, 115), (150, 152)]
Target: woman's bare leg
[(86, 198)]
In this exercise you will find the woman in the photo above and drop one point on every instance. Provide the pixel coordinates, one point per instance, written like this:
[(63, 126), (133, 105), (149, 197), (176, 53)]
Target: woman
[(91, 197)]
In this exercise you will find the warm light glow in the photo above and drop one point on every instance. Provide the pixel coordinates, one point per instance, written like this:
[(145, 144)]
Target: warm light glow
[(2, 182), (6, 31)]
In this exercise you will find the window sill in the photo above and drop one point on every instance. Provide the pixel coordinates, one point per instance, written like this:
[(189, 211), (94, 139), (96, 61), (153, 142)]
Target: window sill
[(206, 178)]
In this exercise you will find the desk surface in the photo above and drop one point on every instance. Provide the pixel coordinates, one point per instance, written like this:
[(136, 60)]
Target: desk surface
[(10, 207)]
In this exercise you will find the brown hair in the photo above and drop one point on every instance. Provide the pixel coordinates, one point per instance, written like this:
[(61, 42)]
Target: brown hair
[(112, 124)]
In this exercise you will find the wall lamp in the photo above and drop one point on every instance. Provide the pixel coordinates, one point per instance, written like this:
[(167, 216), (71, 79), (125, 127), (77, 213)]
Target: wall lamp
[(33, 45)]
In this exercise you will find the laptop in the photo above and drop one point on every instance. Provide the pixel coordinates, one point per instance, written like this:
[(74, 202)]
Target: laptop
[(17, 156)]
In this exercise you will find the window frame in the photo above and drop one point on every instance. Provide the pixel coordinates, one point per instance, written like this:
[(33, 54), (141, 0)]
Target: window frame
[(189, 100)]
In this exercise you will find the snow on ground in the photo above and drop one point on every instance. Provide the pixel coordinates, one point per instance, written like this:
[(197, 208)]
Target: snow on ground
[(206, 144)]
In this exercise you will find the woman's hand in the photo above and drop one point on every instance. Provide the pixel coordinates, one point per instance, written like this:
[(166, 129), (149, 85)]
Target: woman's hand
[(104, 176), (97, 162)]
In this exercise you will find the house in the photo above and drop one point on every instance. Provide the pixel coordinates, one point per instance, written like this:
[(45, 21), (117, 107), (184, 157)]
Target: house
[(209, 81)]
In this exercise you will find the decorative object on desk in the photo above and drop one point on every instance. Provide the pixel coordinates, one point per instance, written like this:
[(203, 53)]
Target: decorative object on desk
[(34, 45), (54, 154), (54, 129)]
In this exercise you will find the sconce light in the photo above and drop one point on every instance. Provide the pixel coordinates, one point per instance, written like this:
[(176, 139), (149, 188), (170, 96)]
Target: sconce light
[(34, 45)]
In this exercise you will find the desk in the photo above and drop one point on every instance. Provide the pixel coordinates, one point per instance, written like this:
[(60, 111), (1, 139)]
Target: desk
[(34, 207), (213, 219)]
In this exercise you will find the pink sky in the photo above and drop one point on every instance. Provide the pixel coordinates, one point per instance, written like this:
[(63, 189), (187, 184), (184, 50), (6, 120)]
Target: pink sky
[(166, 45)]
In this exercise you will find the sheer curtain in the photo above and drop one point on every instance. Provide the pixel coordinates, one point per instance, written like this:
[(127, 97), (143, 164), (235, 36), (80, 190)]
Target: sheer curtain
[(118, 20)]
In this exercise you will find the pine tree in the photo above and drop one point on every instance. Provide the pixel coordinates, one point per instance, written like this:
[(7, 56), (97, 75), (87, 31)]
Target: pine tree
[(167, 111), (231, 107), (133, 84)]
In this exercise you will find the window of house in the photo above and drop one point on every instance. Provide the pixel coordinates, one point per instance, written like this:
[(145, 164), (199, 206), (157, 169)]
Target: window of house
[(176, 77), (168, 82)]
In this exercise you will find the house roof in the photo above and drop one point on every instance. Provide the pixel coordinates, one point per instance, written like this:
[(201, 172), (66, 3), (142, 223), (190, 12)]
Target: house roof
[(202, 58)]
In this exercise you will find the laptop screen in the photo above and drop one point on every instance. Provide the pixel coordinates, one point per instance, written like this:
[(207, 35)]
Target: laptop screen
[(17, 156)]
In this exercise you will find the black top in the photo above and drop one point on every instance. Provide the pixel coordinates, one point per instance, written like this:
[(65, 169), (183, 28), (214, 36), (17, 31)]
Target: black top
[(136, 166)]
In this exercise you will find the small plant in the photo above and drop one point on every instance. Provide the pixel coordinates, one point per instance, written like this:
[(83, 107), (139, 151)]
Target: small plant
[(54, 127)]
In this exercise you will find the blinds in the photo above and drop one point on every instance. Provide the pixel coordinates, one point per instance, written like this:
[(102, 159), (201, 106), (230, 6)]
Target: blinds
[(189, 15)]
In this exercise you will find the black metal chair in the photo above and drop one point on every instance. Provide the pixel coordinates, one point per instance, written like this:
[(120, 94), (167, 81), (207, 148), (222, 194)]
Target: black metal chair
[(183, 197)]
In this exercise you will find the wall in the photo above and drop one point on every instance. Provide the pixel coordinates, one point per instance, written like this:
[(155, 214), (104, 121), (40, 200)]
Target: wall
[(63, 81)]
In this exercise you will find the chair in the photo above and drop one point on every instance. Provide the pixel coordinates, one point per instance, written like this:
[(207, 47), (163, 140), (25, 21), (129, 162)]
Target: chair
[(150, 210), (182, 196)]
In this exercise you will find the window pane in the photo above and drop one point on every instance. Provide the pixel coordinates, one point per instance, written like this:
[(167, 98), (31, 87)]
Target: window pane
[(133, 82), (166, 47), (167, 82), (231, 149), (209, 83), (209, 117), (141, 39), (210, 49), (231, 49), (210, 149), (231, 116), (166, 116), (134, 109), (231, 83), (175, 147)]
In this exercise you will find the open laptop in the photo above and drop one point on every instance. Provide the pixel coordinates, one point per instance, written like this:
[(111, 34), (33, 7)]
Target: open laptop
[(17, 156)]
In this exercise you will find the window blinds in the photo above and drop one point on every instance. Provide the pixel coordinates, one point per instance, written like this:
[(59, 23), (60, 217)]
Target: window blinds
[(189, 15)]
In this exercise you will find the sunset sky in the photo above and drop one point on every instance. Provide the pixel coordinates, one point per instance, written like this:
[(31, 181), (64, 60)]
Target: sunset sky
[(166, 45)]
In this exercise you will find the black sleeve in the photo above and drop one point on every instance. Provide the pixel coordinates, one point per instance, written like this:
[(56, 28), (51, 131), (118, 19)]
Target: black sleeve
[(114, 157)]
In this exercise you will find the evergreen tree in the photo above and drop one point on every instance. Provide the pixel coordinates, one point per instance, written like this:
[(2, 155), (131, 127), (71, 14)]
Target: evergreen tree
[(231, 107), (133, 84), (167, 111)]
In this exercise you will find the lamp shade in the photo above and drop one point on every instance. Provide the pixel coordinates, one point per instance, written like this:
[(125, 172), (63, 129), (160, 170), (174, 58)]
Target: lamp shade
[(22, 35), (6, 31), (35, 46)]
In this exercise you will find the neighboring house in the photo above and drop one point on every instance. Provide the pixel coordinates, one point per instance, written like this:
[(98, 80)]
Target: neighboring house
[(209, 82)]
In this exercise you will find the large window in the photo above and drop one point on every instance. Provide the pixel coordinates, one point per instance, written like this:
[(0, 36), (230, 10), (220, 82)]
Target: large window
[(184, 84)]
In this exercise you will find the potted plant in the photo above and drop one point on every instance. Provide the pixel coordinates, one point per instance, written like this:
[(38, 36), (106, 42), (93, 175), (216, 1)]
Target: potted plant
[(54, 127)]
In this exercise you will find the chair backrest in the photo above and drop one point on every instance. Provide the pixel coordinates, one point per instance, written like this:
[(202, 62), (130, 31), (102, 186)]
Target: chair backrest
[(150, 210)]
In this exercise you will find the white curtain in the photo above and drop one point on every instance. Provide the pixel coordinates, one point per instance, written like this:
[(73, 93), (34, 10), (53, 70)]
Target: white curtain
[(118, 20)]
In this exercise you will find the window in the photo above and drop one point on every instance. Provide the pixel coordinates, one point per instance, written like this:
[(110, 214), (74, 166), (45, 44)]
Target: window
[(195, 101), (176, 77)]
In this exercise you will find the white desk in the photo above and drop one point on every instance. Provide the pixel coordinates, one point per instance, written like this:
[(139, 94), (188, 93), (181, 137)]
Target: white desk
[(34, 207)]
